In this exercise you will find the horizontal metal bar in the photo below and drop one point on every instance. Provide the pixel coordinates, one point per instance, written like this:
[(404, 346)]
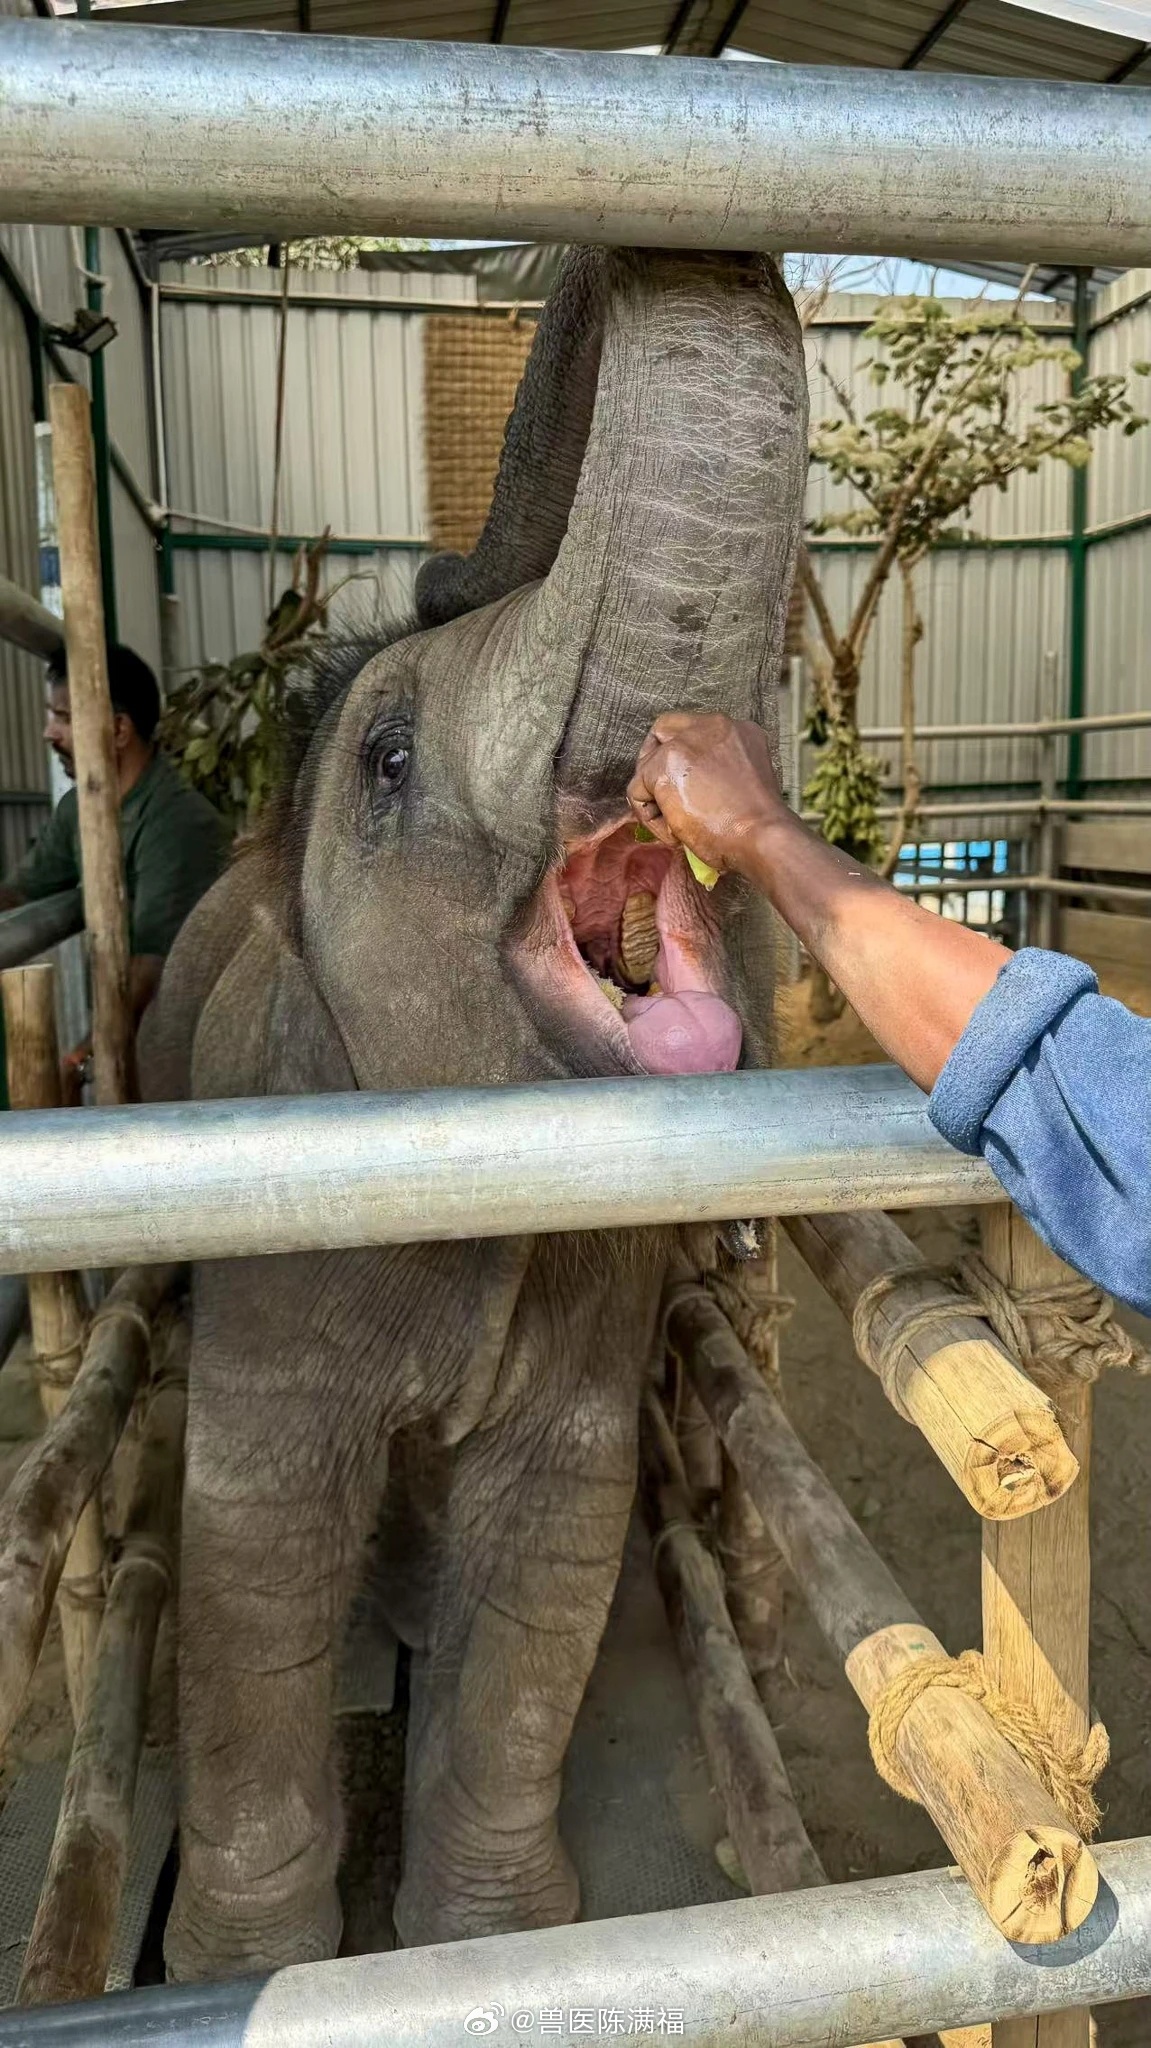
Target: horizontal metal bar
[(846, 1962), (1018, 807), (286, 134), (194, 1180), (343, 302), (253, 539), (25, 622), (1022, 729), (1031, 885), (34, 927)]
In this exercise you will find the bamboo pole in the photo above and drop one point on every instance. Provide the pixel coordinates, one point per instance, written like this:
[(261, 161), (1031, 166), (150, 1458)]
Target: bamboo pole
[(71, 1941), (39, 1512), (57, 1314), (1020, 1855), (749, 1773), (748, 1770), (990, 1426), (1037, 1586), (97, 788)]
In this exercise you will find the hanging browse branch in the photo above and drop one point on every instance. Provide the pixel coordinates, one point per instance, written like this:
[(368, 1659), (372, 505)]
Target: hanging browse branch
[(956, 422), (226, 725)]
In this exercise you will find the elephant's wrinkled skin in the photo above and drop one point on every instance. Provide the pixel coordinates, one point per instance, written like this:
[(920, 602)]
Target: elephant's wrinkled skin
[(452, 849)]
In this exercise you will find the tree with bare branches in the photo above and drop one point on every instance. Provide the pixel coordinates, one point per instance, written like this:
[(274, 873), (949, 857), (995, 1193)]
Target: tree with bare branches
[(954, 420)]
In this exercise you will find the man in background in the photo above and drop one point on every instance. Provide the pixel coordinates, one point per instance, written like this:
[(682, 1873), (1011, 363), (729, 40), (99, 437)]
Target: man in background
[(175, 843)]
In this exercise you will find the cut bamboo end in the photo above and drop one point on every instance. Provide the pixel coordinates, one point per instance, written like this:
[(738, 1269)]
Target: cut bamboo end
[(1044, 1878), (1019, 1853), (995, 1433)]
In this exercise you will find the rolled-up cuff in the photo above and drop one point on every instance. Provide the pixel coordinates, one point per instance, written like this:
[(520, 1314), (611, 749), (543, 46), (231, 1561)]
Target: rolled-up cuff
[(1033, 989)]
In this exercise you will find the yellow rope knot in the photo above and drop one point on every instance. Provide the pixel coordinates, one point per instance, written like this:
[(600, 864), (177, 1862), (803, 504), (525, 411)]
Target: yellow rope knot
[(1067, 1775), (1064, 1331)]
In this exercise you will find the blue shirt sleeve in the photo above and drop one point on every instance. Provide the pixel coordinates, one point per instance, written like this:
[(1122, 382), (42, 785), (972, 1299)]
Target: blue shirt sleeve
[(1051, 1082)]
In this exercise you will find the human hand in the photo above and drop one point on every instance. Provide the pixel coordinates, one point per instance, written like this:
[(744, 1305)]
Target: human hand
[(707, 782)]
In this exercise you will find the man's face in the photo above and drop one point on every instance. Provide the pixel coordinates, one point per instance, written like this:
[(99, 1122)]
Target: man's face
[(58, 727)]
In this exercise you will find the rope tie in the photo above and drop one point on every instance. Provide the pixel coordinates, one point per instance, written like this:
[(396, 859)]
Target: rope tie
[(82, 1593), (1062, 1333), (1068, 1775), (58, 1368), (122, 1312), (756, 1314), (143, 1549), (676, 1528)]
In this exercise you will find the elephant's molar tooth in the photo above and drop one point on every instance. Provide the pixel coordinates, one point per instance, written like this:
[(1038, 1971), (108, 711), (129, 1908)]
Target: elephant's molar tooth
[(639, 938)]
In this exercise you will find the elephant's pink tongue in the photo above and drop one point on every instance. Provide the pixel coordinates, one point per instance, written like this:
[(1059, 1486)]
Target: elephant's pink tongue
[(689, 1033)]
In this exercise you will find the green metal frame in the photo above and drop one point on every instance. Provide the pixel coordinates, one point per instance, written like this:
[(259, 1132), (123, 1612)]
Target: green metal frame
[(101, 444), (1077, 556)]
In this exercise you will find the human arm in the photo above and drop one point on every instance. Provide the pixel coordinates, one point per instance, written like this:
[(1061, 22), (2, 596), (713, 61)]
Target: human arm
[(51, 863), (913, 978), (1028, 1064)]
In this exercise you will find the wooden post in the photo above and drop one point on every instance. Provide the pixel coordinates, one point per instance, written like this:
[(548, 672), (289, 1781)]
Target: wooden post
[(56, 1311), (39, 1512), (1037, 1585), (748, 1771), (71, 1941), (747, 1768), (993, 1430), (97, 787), (1019, 1853), (753, 1568)]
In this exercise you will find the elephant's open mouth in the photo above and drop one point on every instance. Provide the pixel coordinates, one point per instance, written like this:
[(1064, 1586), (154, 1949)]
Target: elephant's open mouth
[(622, 952)]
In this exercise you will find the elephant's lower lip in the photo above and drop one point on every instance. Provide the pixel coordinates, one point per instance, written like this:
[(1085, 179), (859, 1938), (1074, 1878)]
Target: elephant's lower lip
[(579, 968)]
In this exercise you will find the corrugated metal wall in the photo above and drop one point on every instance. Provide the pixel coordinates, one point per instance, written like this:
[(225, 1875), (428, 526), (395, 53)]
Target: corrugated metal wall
[(353, 460), (353, 439)]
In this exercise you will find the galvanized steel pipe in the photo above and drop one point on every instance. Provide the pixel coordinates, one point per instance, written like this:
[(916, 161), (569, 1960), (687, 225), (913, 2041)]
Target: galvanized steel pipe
[(34, 927), (194, 1180), (290, 135), (853, 1962), (27, 623)]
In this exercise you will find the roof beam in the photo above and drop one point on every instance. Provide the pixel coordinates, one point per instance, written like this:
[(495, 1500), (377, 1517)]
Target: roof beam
[(729, 28), (676, 27), (1138, 56), (927, 41)]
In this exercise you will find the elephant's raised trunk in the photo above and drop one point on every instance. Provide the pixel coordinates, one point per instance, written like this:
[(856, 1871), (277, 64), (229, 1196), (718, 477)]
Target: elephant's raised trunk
[(674, 573)]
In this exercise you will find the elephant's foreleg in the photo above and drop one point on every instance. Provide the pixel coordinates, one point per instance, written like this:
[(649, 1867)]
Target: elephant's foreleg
[(280, 1492), (536, 1526)]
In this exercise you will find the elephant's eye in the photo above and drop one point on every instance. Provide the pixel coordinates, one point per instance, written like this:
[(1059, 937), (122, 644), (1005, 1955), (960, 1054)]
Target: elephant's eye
[(387, 758), (392, 768)]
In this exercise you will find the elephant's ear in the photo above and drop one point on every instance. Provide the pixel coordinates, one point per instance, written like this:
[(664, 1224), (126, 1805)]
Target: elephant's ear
[(543, 449), (266, 1029)]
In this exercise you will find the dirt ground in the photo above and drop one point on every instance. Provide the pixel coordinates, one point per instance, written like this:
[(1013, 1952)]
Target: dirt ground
[(919, 1523)]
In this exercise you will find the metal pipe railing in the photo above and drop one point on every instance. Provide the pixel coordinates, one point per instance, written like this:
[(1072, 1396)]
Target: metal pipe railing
[(27, 623), (1019, 729), (1029, 885), (854, 1962), (194, 1180), (134, 126), (34, 927)]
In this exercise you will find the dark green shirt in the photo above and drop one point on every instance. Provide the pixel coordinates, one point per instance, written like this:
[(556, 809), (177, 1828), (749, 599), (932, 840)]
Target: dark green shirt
[(175, 845)]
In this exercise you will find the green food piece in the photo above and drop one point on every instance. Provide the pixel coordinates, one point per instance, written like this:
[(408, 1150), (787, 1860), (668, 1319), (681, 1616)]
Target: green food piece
[(706, 876)]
